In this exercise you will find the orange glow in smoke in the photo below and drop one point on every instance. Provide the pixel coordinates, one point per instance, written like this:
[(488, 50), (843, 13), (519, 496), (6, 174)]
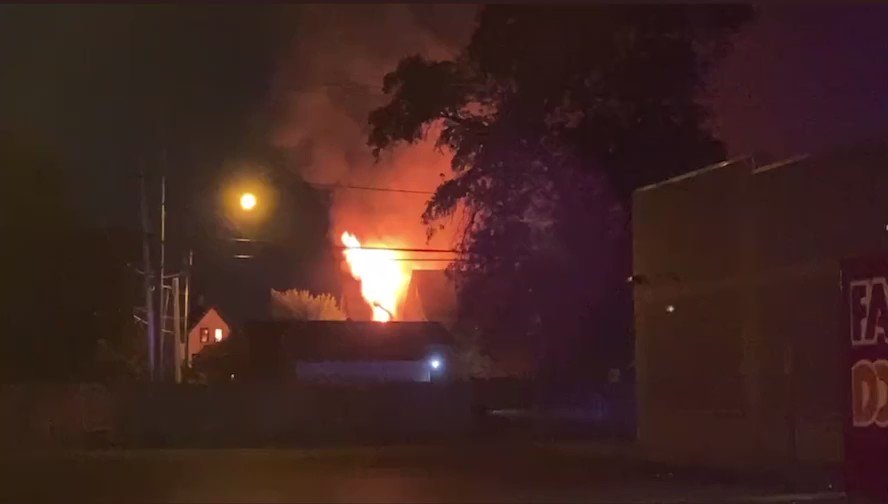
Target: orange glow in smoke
[(383, 278)]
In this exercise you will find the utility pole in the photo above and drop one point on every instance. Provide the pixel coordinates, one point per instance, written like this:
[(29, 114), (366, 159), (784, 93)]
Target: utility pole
[(187, 308), (151, 328), (160, 286), (177, 332)]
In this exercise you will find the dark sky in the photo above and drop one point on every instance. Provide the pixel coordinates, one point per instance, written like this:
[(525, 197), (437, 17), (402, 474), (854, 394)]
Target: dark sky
[(804, 78), (100, 86)]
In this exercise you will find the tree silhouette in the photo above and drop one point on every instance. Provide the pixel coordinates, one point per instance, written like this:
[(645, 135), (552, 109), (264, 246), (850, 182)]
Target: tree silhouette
[(554, 115)]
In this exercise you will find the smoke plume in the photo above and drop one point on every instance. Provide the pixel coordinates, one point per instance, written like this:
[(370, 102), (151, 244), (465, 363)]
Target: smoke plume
[(328, 82)]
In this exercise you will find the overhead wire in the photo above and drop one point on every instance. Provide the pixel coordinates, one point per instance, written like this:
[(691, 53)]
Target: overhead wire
[(368, 188), (343, 247)]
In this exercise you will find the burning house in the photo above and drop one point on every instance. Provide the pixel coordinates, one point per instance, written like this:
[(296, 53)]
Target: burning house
[(430, 296), (391, 290)]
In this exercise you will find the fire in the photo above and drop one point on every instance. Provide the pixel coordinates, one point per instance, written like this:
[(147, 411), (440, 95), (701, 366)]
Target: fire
[(383, 278)]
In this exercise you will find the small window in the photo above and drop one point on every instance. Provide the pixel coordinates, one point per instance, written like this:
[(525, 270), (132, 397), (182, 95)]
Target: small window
[(204, 335), (218, 335)]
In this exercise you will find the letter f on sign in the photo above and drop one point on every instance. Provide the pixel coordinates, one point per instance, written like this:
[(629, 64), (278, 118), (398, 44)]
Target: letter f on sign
[(858, 299)]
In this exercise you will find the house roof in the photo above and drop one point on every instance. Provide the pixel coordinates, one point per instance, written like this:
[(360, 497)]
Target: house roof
[(431, 295), (197, 314), (335, 340)]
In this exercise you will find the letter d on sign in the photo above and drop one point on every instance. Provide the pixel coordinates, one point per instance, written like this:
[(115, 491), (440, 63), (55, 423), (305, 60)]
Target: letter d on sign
[(869, 393), (881, 367), (864, 393)]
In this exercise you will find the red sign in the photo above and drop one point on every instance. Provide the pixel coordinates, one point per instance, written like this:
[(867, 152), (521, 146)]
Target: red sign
[(865, 326)]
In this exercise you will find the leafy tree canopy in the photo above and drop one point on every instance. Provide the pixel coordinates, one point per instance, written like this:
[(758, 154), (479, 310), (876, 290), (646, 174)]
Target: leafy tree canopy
[(303, 305), (619, 83), (554, 115)]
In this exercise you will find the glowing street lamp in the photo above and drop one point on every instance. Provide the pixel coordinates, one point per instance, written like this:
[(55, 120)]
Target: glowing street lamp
[(248, 201)]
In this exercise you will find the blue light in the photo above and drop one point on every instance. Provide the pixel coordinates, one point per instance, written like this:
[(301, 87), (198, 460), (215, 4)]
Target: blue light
[(435, 362)]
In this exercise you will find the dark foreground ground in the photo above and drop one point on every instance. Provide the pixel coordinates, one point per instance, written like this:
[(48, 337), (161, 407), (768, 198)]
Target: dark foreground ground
[(464, 472)]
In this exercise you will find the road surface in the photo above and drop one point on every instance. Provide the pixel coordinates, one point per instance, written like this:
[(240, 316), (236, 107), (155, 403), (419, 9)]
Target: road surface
[(507, 472)]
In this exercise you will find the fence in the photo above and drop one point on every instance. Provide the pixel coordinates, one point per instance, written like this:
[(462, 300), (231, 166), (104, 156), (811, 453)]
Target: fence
[(239, 414)]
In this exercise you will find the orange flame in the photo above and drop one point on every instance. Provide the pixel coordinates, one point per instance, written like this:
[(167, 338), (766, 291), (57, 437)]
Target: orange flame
[(383, 278)]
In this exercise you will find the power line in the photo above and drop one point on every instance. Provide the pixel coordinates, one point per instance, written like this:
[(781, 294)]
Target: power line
[(426, 259), (401, 249), (368, 188), (343, 247), (374, 87)]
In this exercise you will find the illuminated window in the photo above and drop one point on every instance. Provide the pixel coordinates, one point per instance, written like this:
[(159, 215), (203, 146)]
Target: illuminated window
[(204, 335), (218, 335)]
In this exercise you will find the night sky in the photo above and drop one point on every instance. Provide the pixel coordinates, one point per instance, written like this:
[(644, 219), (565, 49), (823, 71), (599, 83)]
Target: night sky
[(102, 88), (804, 78)]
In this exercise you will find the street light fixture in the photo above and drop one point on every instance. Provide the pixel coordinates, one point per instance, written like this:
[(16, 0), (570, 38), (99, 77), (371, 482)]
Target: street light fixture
[(248, 201)]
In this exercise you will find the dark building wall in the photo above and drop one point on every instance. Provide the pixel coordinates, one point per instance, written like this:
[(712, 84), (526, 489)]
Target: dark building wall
[(363, 371), (689, 237), (747, 368)]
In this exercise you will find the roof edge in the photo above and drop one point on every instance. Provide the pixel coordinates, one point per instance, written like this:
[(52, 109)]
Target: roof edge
[(693, 173), (779, 164), (193, 322)]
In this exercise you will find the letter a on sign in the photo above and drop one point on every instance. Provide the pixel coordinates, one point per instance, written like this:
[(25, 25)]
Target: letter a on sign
[(864, 320)]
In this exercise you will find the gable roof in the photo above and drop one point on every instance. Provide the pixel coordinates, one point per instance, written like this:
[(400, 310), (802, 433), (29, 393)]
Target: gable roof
[(196, 316), (431, 295), (338, 340)]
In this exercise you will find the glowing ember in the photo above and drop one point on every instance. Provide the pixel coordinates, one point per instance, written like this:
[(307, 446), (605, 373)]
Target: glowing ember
[(383, 278)]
